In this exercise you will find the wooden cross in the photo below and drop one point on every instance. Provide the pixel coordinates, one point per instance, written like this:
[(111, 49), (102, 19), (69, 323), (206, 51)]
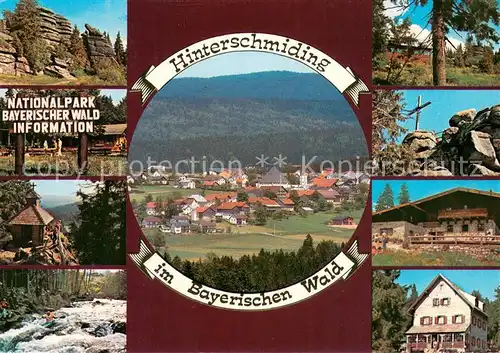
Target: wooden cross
[(417, 110)]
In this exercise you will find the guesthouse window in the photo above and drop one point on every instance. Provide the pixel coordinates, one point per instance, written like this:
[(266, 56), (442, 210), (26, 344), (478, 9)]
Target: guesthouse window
[(435, 302), (426, 320), (449, 228), (465, 228), (458, 319), (474, 320), (441, 320), (445, 301)]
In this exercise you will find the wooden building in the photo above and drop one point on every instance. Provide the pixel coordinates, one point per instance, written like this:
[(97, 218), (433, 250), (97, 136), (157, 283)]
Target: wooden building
[(447, 319), (459, 213), (29, 225), (341, 221)]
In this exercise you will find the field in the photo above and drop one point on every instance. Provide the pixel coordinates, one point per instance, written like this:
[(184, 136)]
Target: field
[(402, 258), (287, 234), (48, 80), (66, 165), (422, 76)]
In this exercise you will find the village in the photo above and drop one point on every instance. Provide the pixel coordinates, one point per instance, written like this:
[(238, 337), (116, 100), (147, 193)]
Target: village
[(237, 201)]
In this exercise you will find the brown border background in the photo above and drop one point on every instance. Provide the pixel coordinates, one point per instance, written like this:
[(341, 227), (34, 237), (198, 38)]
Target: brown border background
[(339, 318)]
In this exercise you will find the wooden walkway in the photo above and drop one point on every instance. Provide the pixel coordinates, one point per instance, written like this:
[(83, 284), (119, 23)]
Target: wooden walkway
[(493, 240)]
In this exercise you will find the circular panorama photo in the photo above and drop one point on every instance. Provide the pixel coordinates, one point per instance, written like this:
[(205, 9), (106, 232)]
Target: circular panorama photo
[(247, 172)]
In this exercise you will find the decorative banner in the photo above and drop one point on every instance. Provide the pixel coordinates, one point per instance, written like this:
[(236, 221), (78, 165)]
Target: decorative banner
[(341, 267), (341, 77)]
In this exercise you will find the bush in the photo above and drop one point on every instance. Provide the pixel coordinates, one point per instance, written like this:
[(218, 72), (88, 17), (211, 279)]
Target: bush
[(109, 71)]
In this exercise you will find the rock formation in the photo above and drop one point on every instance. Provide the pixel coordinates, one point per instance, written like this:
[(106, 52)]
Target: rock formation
[(55, 29), (470, 146), (97, 45)]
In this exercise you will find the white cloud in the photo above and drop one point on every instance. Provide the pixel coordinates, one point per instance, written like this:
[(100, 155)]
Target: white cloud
[(392, 10), (423, 34)]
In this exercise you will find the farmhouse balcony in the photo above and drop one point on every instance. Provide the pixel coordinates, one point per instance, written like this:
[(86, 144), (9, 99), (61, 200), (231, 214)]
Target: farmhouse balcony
[(463, 213)]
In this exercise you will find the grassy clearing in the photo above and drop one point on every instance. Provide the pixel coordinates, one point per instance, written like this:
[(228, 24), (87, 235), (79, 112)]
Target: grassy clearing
[(48, 80), (401, 258), (66, 165), (422, 76)]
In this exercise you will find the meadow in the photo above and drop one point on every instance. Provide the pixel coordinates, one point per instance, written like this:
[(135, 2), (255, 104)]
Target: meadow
[(402, 258), (287, 234)]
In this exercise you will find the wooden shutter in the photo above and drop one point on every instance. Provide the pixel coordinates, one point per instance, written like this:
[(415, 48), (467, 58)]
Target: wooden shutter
[(422, 321), (454, 319), (436, 320), (445, 320)]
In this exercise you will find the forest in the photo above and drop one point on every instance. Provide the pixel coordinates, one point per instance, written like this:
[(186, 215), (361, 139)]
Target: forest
[(30, 292), (243, 129), (391, 317), (266, 271), (95, 236)]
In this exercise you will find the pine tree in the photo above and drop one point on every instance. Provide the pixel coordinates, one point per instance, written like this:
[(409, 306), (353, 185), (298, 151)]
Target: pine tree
[(486, 64), (119, 50), (385, 199), (99, 237), (25, 26), (77, 49), (404, 194), (459, 57)]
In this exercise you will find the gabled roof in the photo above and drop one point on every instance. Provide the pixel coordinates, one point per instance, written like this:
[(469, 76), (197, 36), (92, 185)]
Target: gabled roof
[(115, 129), (32, 215), (441, 194), (274, 176), (231, 205), (463, 295)]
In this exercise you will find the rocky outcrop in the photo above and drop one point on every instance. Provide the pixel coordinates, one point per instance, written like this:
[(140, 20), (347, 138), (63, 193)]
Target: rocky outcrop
[(97, 45), (55, 29), (470, 146)]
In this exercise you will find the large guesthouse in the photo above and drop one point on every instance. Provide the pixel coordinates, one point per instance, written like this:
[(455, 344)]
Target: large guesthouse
[(446, 319), (459, 215)]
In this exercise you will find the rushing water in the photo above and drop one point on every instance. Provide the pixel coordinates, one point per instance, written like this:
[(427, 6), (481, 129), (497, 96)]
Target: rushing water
[(87, 327)]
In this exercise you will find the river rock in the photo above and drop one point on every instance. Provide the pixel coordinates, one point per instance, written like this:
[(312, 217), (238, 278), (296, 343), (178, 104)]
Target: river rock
[(462, 117), (119, 327), (494, 117), (100, 331), (84, 325)]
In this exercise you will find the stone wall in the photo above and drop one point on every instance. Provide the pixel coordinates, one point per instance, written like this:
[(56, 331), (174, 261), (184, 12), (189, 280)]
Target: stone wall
[(400, 230), (470, 146)]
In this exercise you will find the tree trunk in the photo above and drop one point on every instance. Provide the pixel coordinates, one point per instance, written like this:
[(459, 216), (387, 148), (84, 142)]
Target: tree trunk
[(438, 44)]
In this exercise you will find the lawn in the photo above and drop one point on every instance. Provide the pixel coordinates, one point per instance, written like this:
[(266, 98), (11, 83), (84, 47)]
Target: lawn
[(49, 80), (401, 258), (289, 236), (66, 165)]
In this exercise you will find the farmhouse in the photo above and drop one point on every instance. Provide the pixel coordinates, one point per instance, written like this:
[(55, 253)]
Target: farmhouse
[(29, 225), (447, 319), (341, 221), (460, 213), (151, 222)]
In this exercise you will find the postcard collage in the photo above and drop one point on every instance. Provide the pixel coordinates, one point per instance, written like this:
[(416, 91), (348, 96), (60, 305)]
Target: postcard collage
[(250, 176)]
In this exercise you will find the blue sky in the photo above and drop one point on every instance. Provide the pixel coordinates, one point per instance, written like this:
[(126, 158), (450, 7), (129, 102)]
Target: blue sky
[(423, 188), (445, 103), (106, 15), (116, 94), (483, 280), (243, 63), (419, 15)]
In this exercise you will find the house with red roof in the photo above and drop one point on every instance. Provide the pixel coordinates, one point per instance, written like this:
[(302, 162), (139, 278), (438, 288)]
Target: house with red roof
[(206, 213)]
